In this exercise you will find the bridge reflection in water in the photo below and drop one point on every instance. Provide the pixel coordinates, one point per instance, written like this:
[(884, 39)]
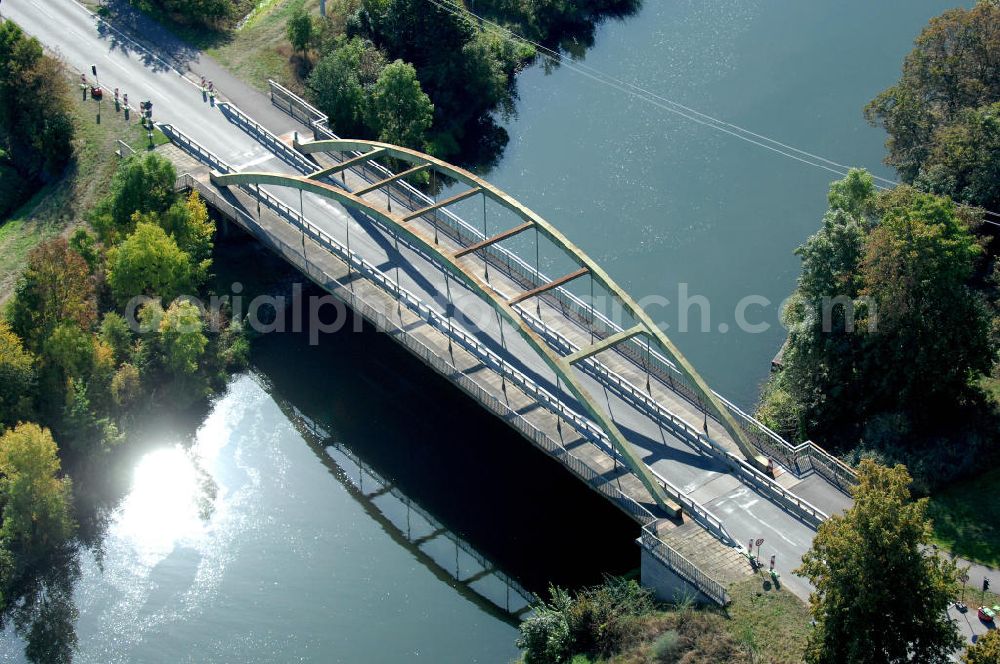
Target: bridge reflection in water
[(442, 551)]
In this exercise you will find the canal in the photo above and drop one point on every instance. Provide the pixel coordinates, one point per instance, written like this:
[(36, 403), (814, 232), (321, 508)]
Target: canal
[(340, 503)]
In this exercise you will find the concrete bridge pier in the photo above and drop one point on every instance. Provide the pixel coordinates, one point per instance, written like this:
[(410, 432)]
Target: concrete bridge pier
[(667, 585)]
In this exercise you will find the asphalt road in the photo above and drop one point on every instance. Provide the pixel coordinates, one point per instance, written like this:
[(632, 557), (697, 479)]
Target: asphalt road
[(70, 31)]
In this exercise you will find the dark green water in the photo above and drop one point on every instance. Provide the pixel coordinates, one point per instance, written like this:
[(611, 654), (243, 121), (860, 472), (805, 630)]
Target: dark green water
[(659, 200), (234, 535)]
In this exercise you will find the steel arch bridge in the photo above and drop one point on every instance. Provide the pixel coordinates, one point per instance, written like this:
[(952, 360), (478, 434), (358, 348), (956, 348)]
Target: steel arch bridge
[(459, 264)]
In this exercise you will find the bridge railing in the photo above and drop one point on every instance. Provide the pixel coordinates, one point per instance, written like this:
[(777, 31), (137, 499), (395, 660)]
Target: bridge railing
[(802, 509)]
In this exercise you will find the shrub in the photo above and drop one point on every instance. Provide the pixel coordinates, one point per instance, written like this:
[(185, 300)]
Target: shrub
[(545, 637), (667, 647)]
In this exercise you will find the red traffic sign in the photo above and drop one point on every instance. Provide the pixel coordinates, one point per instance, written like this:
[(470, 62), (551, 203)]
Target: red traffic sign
[(759, 542)]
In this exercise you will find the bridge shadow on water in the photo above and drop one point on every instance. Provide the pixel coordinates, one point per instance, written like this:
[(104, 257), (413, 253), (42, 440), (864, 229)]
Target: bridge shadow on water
[(386, 419)]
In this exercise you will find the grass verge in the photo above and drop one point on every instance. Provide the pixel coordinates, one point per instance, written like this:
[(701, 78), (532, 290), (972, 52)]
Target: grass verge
[(61, 205), (260, 50), (966, 518), (772, 624)]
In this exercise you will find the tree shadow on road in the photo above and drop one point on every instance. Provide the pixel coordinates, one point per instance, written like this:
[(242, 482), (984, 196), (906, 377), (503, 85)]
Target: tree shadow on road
[(134, 33)]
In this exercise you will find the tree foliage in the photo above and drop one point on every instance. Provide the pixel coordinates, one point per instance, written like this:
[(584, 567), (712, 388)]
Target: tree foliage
[(37, 516), (941, 116), (341, 84), (150, 263), (55, 287), (873, 564), (182, 337), (400, 109), (35, 140), (211, 13), (188, 223), (886, 335), (142, 184), (17, 378), (299, 30), (986, 650)]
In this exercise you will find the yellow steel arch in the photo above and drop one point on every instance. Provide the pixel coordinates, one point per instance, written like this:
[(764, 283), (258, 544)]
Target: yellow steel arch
[(648, 327)]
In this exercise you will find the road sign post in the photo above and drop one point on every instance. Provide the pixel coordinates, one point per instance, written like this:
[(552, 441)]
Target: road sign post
[(758, 543)]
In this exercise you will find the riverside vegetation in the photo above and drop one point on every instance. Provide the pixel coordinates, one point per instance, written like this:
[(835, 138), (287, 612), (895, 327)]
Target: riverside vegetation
[(74, 373)]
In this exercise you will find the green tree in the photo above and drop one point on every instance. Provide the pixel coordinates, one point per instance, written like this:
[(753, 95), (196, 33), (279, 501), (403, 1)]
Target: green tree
[(17, 378), (148, 262), (986, 650), (143, 183), (193, 230), (881, 593), (56, 286), (340, 84), (917, 265), (964, 158), (116, 334), (36, 140), (70, 351), (939, 116), (885, 285), (182, 338), (299, 30), (399, 107), (36, 500), (85, 244)]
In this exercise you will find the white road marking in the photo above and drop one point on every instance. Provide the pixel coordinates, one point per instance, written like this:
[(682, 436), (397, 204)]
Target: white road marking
[(254, 162)]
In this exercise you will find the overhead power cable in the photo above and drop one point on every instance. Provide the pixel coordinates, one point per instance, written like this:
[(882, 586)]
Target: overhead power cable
[(676, 107)]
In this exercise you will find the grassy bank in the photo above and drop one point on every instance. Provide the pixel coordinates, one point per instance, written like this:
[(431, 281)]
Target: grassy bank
[(966, 518), (60, 206), (260, 50), (773, 624)]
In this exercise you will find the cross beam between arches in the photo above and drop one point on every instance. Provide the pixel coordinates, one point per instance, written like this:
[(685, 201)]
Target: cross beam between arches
[(711, 402)]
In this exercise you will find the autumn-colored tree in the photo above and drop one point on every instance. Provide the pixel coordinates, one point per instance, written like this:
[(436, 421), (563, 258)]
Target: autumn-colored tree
[(17, 378), (55, 287), (874, 564), (36, 500), (188, 223), (126, 386), (986, 649)]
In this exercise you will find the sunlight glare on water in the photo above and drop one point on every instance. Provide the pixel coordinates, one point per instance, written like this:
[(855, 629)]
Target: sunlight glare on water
[(163, 508)]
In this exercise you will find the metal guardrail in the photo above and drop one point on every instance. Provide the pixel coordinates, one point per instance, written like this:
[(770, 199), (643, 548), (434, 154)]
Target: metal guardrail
[(124, 149), (766, 440)]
